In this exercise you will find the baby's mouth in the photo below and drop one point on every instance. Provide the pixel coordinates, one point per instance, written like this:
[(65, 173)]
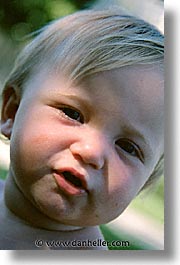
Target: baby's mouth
[(72, 179), (70, 182)]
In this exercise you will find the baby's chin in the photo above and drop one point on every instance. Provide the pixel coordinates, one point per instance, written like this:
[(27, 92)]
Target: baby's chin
[(66, 215), (63, 211)]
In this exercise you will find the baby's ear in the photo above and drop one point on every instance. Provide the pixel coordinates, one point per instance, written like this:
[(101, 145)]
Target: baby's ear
[(10, 104)]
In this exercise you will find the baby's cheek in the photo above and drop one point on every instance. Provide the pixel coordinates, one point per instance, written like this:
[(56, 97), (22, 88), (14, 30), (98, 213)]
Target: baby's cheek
[(29, 148), (123, 188)]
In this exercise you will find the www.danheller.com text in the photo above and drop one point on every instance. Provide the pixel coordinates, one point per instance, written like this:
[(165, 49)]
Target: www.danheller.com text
[(80, 243)]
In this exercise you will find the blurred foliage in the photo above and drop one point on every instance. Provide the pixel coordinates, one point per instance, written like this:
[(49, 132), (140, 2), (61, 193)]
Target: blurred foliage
[(151, 203), (20, 17), (3, 173), (111, 235)]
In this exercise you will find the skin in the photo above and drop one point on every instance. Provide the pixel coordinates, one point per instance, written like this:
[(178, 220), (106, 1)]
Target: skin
[(114, 139)]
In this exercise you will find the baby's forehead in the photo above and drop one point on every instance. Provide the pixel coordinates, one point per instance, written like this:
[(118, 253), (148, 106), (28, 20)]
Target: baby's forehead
[(142, 83)]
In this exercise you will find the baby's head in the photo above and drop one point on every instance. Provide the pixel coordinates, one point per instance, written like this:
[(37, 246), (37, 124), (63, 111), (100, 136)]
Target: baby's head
[(83, 108)]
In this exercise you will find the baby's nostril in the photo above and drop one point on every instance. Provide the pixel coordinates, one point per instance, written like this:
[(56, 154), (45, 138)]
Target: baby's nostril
[(72, 178)]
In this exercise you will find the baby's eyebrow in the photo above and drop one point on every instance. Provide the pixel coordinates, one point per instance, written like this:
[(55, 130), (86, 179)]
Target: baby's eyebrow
[(84, 102), (77, 98)]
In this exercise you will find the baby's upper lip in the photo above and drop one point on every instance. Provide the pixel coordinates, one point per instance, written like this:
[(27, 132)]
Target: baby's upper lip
[(79, 176)]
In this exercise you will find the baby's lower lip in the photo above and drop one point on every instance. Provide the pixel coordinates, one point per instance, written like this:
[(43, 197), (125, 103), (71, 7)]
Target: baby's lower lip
[(68, 187)]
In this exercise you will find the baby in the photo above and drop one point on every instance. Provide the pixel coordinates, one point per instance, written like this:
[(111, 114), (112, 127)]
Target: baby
[(83, 110)]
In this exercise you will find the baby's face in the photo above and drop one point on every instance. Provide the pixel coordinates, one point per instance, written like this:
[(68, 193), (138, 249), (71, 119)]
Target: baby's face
[(81, 153)]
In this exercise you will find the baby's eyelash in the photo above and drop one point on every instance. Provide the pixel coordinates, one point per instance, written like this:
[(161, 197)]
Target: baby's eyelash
[(72, 114), (131, 148)]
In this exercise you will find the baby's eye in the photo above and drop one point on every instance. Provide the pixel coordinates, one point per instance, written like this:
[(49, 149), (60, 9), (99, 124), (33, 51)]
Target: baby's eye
[(130, 148), (73, 114)]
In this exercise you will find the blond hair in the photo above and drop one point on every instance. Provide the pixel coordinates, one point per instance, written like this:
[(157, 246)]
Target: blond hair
[(89, 42)]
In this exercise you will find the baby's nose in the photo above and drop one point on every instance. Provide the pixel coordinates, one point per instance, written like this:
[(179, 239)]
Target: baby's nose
[(91, 151)]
